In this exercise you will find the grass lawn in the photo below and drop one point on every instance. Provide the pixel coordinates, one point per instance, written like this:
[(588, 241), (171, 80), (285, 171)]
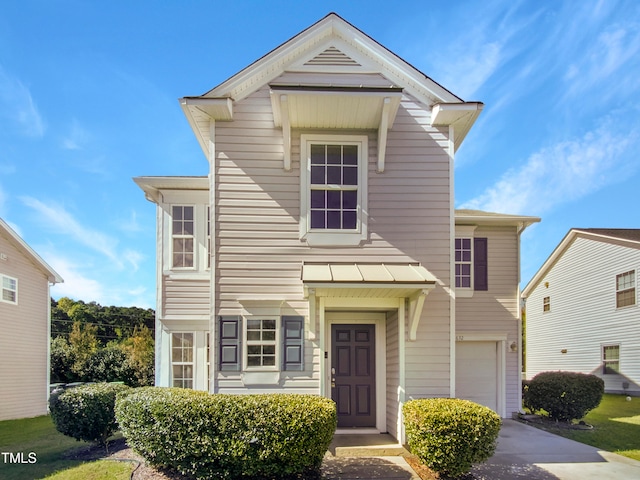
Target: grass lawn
[(38, 442), (616, 427)]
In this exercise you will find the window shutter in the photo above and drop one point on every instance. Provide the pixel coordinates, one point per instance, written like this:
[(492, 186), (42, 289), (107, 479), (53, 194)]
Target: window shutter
[(293, 343), (230, 342), (480, 264)]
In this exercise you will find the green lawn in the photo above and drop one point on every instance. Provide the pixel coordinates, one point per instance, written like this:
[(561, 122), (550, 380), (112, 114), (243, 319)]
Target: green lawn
[(42, 450), (616, 427)]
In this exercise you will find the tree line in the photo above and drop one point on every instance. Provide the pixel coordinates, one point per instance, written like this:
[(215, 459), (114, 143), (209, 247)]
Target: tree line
[(92, 343)]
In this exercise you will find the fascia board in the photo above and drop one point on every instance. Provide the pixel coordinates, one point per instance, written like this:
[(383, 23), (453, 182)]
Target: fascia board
[(21, 245), (202, 141)]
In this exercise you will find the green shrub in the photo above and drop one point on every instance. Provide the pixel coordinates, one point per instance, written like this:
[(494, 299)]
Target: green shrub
[(86, 412), (449, 435), (227, 436), (565, 396), (109, 364)]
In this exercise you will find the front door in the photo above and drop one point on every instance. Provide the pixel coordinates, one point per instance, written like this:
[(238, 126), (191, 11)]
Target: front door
[(353, 376)]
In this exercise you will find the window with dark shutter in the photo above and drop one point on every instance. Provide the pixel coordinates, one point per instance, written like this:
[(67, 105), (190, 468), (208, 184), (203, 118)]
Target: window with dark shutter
[(293, 343), (229, 335), (480, 264)]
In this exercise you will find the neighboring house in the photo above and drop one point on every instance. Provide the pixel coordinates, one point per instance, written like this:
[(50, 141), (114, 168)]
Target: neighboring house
[(25, 322), (322, 254), (582, 308)]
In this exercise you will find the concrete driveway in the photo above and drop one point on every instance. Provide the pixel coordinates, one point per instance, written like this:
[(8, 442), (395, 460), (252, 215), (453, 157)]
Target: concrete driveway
[(525, 452)]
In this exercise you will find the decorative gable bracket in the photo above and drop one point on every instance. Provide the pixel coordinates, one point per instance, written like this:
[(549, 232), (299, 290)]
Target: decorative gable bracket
[(416, 304), (335, 107)]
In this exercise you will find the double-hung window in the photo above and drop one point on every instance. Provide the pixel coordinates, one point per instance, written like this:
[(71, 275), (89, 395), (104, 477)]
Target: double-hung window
[(626, 289), (261, 343), (9, 289), (182, 354), (471, 265), (334, 189), (610, 359), (546, 304), (183, 236)]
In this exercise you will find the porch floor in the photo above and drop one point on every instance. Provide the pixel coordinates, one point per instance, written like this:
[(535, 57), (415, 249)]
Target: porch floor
[(365, 445)]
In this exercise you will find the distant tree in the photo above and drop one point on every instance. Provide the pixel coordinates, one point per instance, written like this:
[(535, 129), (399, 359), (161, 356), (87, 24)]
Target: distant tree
[(140, 350), (83, 343)]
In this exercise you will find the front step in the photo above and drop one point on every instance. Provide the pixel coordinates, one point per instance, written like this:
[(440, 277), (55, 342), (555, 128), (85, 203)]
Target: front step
[(365, 445), (392, 450)]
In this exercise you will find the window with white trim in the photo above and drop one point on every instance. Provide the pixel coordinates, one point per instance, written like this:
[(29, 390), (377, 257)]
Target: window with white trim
[(610, 359), (261, 335), (626, 289), (334, 189), (471, 265), (9, 290), (182, 355), (463, 262), (182, 236)]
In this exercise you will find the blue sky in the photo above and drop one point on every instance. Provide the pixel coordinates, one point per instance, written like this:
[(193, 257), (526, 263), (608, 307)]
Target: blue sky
[(89, 99)]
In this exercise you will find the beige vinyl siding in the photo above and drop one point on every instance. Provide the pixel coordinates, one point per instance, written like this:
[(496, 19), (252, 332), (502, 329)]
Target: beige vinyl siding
[(257, 221), (186, 297), (393, 374), (24, 340), (583, 315), (496, 311)]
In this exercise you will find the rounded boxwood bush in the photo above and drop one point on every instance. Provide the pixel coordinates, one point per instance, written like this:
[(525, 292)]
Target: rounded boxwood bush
[(565, 396), (227, 436), (449, 435), (86, 412)]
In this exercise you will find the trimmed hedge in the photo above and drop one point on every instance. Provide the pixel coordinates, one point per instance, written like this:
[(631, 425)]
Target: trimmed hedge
[(565, 396), (449, 435), (227, 436), (86, 412)]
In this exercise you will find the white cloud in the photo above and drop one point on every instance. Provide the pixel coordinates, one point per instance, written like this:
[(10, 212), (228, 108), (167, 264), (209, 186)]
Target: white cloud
[(77, 137), (561, 173), (76, 285), (18, 108), (57, 218)]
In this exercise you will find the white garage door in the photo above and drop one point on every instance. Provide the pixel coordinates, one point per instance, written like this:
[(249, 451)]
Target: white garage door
[(477, 372)]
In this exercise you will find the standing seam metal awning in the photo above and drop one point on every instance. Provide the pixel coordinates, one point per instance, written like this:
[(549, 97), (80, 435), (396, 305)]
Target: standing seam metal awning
[(368, 280)]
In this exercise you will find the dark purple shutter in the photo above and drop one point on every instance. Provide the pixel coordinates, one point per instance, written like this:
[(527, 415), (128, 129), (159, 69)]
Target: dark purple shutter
[(292, 343), (480, 264), (230, 342)]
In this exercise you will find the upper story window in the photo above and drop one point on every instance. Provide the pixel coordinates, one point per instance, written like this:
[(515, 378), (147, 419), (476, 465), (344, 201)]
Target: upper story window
[(471, 265), (334, 189), (626, 289), (546, 304), (182, 236), (9, 289)]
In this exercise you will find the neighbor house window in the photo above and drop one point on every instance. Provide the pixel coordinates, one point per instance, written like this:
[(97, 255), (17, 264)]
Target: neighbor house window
[(546, 304), (626, 289), (261, 343), (182, 347), (611, 359), (471, 267), (9, 289), (183, 236), (333, 188)]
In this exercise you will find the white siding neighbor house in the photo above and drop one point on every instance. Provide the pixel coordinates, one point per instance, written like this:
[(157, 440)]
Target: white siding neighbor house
[(25, 314), (582, 308), (322, 253)]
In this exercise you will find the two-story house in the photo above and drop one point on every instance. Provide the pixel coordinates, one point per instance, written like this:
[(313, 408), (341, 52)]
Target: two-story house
[(582, 308), (322, 253), (25, 321)]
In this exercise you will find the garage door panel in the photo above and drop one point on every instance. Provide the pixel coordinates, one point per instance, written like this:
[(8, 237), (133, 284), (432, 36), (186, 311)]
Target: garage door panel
[(477, 372)]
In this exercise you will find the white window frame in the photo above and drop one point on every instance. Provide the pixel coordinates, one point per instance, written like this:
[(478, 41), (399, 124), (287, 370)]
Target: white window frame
[(606, 361), (463, 232), (626, 288), (277, 344), (333, 237), (12, 289), (184, 363), (546, 304), (193, 237)]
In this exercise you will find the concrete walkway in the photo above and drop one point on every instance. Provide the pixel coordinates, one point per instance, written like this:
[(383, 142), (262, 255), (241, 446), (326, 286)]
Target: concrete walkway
[(523, 452)]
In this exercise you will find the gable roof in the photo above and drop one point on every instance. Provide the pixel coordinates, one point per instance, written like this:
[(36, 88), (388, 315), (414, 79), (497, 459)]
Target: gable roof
[(628, 237), (7, 232), (331, 45)]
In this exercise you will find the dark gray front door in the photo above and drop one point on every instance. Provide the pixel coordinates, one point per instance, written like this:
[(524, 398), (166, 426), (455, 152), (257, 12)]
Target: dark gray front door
[(353, 379)]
